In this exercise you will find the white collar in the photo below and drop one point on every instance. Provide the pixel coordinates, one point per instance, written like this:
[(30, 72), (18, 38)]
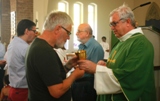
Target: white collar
[(130, 33)]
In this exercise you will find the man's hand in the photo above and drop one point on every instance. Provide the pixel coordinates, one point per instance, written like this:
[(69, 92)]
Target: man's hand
[(87, 66), (78, 73), (72, 62), (101, 62), (2, 62)]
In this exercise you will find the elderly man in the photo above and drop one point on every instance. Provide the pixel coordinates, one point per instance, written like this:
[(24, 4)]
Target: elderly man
[(128, 74), (82, 89)]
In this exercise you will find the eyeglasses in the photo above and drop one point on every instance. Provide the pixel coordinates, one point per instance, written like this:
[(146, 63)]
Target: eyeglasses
[(33, 30), (68, 32), (113, 24), (80, 31)]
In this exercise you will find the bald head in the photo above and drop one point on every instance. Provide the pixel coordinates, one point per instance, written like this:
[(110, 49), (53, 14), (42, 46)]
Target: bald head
[(85, 27), (84, 32)]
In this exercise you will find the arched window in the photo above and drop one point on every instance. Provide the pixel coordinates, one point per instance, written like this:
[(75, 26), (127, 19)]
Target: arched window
[(92, 18), (63, 6), (78, 17)]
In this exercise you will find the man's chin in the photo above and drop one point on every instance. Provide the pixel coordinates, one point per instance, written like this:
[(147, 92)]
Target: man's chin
[(79, 40), (60, 46)]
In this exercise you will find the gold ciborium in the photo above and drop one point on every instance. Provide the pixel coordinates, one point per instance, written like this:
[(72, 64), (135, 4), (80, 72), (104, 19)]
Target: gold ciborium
[(81, 54)]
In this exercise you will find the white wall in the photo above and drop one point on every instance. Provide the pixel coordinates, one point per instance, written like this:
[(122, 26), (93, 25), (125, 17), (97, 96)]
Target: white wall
[(40, 12), (43, 7), (140, 13)]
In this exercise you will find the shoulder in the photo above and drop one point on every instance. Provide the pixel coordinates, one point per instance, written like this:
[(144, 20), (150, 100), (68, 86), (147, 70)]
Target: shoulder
[(140, 38), (3, 89)]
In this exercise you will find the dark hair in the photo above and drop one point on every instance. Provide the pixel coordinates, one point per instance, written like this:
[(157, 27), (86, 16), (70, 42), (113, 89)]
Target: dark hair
[(23, 25), (103, 37), (6, 79)]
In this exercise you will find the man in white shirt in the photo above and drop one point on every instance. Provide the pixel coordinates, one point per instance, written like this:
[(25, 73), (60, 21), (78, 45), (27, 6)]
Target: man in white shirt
[(16, 51), (2, 51), (105, 47), (2, 63)]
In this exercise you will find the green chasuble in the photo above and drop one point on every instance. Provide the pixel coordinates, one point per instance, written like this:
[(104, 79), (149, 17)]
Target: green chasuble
[(132, 65)]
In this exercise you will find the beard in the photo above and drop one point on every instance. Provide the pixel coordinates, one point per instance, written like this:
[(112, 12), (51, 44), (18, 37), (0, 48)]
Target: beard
[(81, 40), (59, 44)]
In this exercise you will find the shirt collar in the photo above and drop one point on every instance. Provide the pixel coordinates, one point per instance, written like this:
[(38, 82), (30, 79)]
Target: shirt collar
[(130, 33), (83, 46)]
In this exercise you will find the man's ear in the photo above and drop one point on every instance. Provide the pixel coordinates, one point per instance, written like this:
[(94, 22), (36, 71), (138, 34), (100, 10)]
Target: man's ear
[(88, 34), (128, 21), (26, 31), (57, 29)]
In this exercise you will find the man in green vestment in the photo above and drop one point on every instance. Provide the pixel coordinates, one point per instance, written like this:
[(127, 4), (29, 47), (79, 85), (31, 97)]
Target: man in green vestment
[(128, 74)]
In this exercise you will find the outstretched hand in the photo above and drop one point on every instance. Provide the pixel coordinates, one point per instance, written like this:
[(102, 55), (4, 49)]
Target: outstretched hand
[(87, 66), (72, 62), (2, 62)]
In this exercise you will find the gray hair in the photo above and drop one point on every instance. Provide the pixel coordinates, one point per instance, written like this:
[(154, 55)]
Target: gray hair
[(125, 12), (57, 18)]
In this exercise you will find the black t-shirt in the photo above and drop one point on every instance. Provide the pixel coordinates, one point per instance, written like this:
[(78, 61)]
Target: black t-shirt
[(44, 68)]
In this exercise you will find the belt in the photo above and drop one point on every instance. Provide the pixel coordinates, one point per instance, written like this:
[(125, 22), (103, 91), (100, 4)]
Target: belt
[(18, 88)]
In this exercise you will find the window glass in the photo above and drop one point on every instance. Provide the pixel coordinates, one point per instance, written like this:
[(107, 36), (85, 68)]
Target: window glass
[(77, 20), (92, 18), (63, 6)]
